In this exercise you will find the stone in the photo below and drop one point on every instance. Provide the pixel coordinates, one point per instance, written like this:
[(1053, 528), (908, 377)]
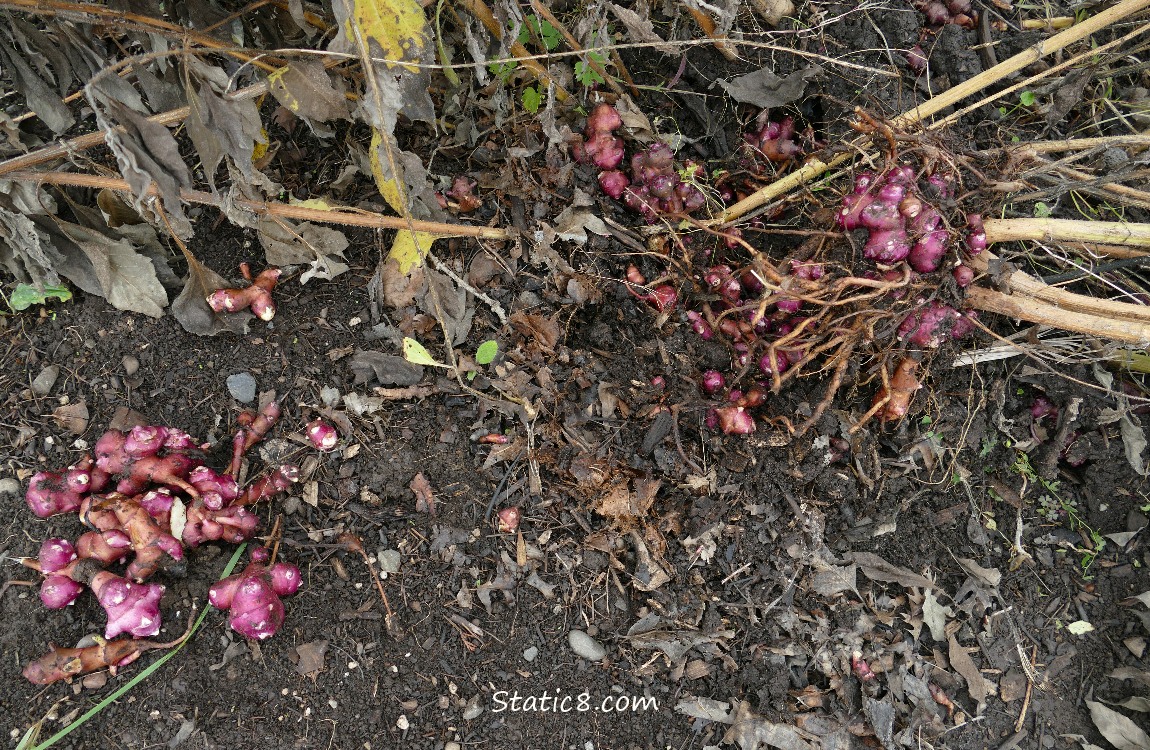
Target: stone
[(585, 646), (530, 653), (242, 386)]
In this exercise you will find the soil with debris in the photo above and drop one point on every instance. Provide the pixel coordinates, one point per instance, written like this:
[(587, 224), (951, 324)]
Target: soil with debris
[(971, 577)]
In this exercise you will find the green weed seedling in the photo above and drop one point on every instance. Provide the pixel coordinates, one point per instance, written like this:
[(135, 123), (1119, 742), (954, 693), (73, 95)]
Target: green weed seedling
[(27, 295)]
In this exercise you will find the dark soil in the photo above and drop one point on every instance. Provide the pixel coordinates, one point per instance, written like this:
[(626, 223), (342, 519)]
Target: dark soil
[(752, 577)]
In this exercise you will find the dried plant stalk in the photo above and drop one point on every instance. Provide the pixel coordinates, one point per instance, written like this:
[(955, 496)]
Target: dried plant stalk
[(1067, 230)]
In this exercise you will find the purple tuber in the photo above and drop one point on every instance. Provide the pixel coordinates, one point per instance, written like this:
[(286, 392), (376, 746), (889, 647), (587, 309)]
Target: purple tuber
[(252, 597)]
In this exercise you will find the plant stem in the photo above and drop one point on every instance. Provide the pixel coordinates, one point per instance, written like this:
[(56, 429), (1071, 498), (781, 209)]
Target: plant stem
[(1067, 230), (347, 217)]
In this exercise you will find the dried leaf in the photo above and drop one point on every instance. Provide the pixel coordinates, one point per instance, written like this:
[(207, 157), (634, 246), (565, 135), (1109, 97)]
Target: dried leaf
[(394, 287), (935, 616), (147, 156), (650, 572), (127, 279), (704, 708), (766, 90), (640, 28), (424, 498), (191, 309), (38, 95), (395, 32), (1134, 442), (541, 332), (222, 127), (622, 505), (1118, 730), (878, 569), (750, 732), (305, 88), (288, 244), (72, 417), (1136, 703), (388, 369), (990, 577), (835, 580), (447, 303), (310, 658), (27, 252), (964, 665)]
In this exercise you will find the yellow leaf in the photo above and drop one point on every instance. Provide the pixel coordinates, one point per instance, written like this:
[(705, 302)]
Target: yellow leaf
[(409, 249), (319, 204), (259, 149), (388, 187), (399, 27)]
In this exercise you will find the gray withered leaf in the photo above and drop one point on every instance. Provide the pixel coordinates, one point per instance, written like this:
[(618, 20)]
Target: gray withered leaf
[(764, 89), (305, 88), (286, 243), (641, 29), (25, 252), (127, 278), (220, 126), (38, 94), (147, 156), (191, 309)]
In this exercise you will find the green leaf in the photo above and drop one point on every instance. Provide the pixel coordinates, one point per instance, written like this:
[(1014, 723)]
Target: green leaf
[(531, 99), (486, 352), (26, 295), (586, 75), (1027, 98), (1042, 211), (414, 352)]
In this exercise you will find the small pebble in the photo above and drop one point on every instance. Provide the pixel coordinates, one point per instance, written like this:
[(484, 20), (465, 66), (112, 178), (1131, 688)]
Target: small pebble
[(453, 745), (242, 386), (9, 486), (401, 723), (585, 646), (530, 654), (43, 383), (329, 396), (389, 560), (131, 365)]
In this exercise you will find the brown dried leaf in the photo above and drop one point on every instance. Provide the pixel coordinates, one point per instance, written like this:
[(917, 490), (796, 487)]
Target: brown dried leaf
[(542, 332), (424, 498), (221, 127), (835, 580), (286, 244), (127, 279), (878, 569), (764, 89), (965, 666), (622, 505), (388, 369), (305, 88), (641, 29), (309, 660), (47, 105), (72, 417)]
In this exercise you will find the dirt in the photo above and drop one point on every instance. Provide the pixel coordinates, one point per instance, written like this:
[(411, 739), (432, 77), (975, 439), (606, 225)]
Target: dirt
[(783, 579)]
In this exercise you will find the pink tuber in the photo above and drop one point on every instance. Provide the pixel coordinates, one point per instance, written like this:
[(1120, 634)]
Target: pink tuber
[(58, 591), (774, 141), (509, 519), (600, 146), (133, 608), (257, 297), (252, 597), (50, 493), (735, 420), (323, 436), (929, 326)]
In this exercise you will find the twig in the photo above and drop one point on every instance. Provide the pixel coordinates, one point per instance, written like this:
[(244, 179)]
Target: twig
[(353, 543), (348, 217), (495, 306)]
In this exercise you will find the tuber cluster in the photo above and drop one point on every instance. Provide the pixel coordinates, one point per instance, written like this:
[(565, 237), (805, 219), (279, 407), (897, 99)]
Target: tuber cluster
[(146, 495), (257, 297)]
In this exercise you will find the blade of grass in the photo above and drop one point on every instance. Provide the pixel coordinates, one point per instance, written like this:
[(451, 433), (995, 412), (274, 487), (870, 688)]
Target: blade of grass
[(145, 673)]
